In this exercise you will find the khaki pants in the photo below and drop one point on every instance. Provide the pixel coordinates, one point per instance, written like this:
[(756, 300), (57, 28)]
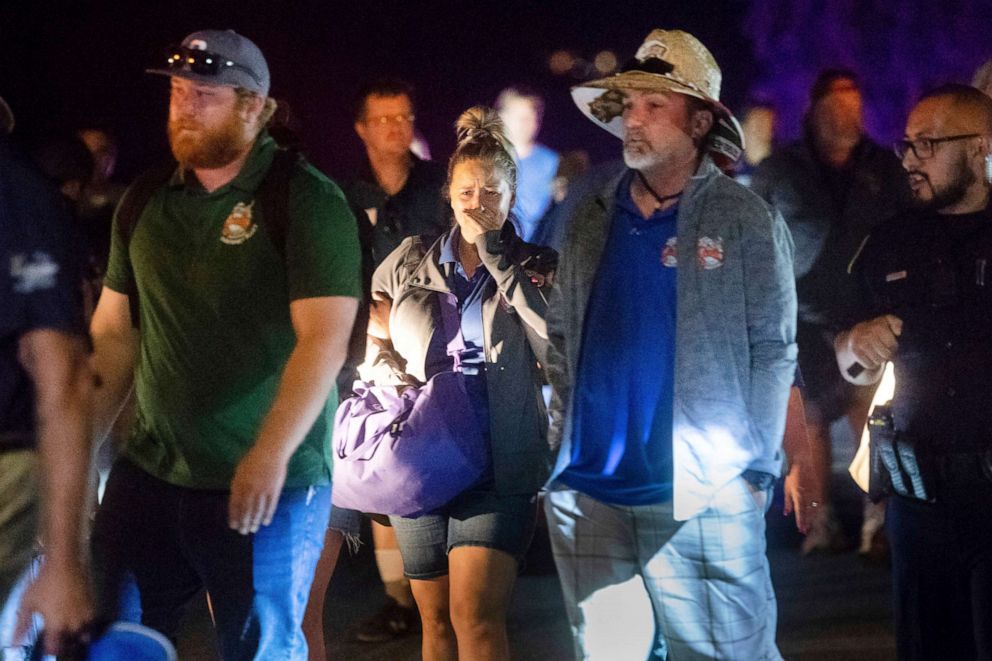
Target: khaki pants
[(18, 516)]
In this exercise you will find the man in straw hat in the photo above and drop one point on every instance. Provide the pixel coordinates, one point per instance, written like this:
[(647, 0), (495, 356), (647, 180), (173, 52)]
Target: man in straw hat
[(670, 390)]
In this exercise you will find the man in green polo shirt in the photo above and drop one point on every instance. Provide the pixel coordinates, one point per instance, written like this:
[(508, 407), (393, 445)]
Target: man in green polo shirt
[(225, 481)]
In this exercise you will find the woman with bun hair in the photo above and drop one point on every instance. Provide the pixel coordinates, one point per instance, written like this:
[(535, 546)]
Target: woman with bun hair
[(462, 560)]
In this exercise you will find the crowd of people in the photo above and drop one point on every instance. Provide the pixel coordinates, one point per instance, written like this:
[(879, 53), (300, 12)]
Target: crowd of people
[(641, 350)]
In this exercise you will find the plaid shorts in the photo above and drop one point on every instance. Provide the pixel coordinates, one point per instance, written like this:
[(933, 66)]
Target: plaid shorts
[(638, 583)]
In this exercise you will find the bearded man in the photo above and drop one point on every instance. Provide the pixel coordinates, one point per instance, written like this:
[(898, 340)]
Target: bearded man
[(225, 482), (928, 308), (672, 328)]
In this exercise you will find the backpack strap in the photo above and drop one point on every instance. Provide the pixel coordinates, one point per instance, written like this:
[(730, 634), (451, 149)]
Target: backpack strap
[(273, 196), (132, 205)]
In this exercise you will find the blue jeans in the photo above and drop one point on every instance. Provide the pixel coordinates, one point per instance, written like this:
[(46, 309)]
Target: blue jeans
[(155, 545)]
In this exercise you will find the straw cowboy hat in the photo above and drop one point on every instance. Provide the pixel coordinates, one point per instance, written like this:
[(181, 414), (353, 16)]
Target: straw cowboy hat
[(667, 61)]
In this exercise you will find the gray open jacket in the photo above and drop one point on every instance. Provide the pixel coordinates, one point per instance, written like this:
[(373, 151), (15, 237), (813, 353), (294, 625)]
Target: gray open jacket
[(516, 341), (735, 346)]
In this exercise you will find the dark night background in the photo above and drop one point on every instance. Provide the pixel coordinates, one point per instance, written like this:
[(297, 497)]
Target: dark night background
[(73, 64)]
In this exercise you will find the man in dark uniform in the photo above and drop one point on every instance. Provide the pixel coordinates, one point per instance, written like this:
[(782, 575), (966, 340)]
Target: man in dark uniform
[(928, 284), (44, 386)]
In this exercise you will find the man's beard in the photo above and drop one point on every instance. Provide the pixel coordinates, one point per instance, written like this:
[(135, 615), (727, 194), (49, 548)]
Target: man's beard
[(961, 179), (639, 159), (200, 148), (640, 154)]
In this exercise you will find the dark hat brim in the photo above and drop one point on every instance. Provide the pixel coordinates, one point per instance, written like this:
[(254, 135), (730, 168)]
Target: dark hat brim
[(229, 78)]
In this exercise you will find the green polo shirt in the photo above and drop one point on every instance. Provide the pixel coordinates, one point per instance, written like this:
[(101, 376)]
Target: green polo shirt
[(214, 294)]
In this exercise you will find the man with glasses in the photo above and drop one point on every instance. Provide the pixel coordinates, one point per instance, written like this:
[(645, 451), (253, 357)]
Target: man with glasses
[(831, 186), (399, 192), (927, 283), (401, 196), (232, 328)]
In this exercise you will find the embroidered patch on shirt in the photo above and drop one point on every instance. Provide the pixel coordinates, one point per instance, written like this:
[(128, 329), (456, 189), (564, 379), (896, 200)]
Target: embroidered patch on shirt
[(670, 253), (238, 226), (898, 275), (709, 252)]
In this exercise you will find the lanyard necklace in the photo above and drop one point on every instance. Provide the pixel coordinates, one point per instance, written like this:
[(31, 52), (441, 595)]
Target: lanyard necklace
[(660, 199)]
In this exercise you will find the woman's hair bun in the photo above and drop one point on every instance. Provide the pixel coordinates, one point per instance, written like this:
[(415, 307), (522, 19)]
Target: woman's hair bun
[(480, 123)]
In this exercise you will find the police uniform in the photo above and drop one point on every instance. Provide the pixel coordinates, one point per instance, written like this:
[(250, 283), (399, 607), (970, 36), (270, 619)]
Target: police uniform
[(934, 272)]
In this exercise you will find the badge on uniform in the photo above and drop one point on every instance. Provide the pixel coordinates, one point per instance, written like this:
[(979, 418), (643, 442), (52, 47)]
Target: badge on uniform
[(238, 226)]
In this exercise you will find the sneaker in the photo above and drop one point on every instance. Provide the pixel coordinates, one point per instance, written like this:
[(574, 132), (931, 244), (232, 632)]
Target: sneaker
[(391, 622)]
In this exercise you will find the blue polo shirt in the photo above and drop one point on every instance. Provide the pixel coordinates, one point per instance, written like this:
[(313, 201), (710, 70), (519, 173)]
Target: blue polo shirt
[(623, 398)]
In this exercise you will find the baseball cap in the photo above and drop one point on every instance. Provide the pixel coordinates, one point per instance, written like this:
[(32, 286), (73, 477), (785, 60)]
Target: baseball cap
[(218, 57)]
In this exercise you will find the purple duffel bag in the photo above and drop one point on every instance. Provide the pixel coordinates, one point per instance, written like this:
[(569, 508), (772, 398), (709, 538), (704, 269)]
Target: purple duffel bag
[(406, 451)]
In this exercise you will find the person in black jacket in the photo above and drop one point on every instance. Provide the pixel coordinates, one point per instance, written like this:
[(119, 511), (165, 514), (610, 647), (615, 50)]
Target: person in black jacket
[(44, 387), (831, 186), (928, 308)]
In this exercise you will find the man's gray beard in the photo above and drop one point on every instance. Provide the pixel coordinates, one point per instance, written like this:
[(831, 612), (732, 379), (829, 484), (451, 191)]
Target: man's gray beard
[(639, 160)]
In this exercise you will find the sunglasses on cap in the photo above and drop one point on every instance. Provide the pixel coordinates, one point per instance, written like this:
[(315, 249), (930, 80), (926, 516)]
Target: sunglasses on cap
[(202, 62)]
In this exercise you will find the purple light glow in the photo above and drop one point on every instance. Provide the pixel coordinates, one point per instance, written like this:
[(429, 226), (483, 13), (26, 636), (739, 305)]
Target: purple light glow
[(899, 49)]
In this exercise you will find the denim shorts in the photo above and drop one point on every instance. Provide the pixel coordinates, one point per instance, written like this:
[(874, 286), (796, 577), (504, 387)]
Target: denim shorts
[(477, 517), (345, 521)]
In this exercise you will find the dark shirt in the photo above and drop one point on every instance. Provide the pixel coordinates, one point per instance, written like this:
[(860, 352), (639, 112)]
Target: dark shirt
[(830, 212), (418, 208), (40, 282), (935, 273)]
